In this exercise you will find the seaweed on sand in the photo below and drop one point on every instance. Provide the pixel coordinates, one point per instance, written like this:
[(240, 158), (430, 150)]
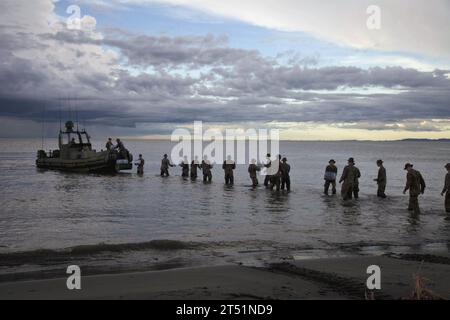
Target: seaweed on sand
[(421, 292)]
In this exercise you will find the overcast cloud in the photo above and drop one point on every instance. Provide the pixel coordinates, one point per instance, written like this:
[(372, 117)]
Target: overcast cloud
[(126, 79)]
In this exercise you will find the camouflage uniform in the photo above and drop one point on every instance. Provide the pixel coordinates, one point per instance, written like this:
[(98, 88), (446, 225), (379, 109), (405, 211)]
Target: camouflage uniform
[(229, 166), (356, 185), (123, 152), (194, 167), (252, 170), (275, 175), (285, 170), (165, 164), (267, 178), (141, 164), (381, 181), (446, 191), (109, 145), (330, 178), (185, 168), (350, 186), (207, 174), (416, 185)]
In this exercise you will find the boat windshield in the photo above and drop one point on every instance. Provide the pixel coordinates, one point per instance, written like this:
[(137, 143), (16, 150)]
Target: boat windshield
[(74, 138), (85, 139)]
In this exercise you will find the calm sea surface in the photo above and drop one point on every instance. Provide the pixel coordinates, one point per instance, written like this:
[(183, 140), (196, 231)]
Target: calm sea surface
[(50, 219)]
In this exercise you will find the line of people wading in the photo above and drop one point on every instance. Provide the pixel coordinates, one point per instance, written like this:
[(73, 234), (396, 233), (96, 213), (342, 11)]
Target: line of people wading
[(415, 183), (277, 176), (277, 172)]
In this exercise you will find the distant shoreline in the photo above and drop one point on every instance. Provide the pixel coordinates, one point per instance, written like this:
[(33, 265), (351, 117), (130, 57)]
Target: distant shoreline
[(281, 140)]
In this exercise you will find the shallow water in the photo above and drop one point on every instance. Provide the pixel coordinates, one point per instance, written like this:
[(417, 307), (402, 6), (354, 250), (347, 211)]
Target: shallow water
[(212, 223)]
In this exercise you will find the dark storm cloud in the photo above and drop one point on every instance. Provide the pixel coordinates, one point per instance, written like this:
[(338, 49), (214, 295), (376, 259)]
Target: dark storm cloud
[(198, 78), (254, 78), (164, 51)]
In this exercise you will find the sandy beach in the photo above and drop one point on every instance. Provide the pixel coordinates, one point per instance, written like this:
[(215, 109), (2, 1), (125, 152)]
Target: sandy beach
[(342, 278)]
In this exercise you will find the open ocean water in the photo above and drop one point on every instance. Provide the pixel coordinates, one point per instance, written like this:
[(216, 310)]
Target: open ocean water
[(106, 223)]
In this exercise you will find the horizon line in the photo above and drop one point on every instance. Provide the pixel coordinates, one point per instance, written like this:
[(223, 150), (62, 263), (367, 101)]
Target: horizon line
[(281, 140)]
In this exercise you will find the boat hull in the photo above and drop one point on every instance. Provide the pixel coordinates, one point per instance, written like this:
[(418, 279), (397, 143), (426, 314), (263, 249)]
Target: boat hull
[(82, 165)]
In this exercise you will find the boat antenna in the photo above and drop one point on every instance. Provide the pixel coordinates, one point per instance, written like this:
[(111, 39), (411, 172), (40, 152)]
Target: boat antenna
[(70, 108), (59, 114), (43, 126), (76, 115)]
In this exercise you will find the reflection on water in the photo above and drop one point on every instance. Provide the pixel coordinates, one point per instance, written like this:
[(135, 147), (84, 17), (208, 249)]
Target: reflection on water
[(414, 222), (352, 213), (277, 202), (46, 209)]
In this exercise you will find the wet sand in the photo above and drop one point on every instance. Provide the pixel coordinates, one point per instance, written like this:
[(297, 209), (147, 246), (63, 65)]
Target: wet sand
[(342, 278)]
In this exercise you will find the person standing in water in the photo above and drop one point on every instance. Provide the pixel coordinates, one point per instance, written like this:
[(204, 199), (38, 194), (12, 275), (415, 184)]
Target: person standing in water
[(140, 165), (206, 167), (349, 180), (381, 180), (253, 170), (185, 168), (416, 186), (229, 166), (194, 166), (285, 170), (356, 184), (165, 164), (446, 190), (275, 174), (267, 165), (330, 177)]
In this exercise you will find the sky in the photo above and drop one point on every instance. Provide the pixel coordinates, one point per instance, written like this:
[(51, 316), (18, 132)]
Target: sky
[(328, 70)]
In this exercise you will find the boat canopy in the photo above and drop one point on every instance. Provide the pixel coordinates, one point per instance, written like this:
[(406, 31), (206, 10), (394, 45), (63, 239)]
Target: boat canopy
[(71, 138)]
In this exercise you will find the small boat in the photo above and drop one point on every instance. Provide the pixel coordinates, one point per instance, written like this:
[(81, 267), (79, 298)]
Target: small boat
[(76, 154)]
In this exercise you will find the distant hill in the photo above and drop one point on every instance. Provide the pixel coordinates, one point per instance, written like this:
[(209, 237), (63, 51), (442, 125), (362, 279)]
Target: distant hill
[(441, 140)]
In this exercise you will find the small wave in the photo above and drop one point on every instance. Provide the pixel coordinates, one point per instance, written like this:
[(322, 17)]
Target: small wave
[(47, 256), (161, 245)]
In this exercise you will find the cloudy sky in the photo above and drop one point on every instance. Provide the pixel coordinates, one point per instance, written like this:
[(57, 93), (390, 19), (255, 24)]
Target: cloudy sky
[(142, 68)]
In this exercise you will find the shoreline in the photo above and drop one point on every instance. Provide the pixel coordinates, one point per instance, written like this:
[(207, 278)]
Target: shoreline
[(323, 279)]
